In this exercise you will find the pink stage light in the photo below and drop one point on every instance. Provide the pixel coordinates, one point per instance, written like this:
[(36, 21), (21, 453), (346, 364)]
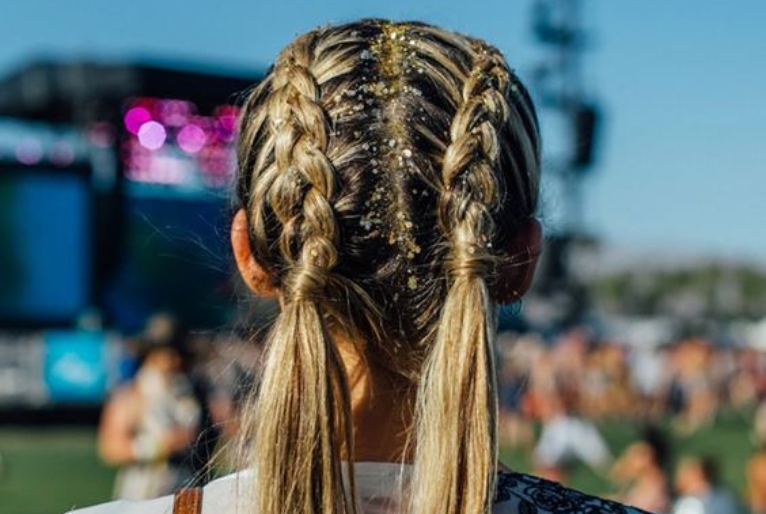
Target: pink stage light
[(174, 113), (152, 135), (191, 138), (226, 123), (29, 152), (101, 135), (135, 118), (62, 154)]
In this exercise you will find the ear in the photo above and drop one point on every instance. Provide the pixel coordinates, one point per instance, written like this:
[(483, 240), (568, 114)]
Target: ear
[(256, 278), (514, 277)]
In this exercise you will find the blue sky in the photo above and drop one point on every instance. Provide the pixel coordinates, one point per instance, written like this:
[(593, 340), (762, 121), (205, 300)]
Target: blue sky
[(682, 162)]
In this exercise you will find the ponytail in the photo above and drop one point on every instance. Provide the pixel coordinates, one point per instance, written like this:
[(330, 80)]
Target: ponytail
[(456, 457), (301, 418)]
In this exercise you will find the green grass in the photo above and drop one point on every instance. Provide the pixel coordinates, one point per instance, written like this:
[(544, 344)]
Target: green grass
[(50, 470)]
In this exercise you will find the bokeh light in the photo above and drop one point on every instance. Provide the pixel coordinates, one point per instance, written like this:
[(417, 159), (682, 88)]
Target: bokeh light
[(61, 154), (102, 134), (191, 138), (174, 113), (226, 123), (136, 117), (152, 135), (29, 151)]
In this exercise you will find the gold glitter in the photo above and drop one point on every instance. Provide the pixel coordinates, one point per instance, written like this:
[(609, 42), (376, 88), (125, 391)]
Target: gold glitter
[(391, 54)]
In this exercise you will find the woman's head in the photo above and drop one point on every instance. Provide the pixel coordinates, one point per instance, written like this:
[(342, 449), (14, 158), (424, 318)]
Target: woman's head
[(388, 179), (394, 156)]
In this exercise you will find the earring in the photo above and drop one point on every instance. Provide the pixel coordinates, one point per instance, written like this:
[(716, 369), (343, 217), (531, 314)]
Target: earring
[(510, 313)]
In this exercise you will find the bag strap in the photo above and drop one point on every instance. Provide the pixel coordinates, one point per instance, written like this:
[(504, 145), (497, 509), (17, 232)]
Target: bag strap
[(188, 501)]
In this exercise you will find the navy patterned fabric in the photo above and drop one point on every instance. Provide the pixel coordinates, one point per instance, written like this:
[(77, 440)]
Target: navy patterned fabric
[(527, 494)]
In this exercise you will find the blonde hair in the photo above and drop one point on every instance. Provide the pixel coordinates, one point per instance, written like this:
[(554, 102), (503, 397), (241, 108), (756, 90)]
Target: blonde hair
[(385, 168)]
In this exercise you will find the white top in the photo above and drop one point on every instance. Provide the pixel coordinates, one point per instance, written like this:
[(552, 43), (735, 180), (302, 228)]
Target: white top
[(378, 487), (569, 437)]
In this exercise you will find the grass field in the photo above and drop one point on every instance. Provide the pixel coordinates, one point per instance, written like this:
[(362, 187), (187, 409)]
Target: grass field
[(50, 470)]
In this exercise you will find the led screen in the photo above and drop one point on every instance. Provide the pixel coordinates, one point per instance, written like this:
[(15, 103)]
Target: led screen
[(45, 245), (175, 259)]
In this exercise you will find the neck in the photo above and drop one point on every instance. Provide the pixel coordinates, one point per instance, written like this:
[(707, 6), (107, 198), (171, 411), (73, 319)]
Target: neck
[(381, 410)]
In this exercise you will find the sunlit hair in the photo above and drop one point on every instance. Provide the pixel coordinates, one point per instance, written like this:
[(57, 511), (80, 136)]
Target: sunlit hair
[(385, 168)]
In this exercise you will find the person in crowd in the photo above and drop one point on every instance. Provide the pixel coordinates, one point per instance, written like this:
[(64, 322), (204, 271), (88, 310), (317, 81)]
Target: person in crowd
[(699, 489), (755, 473), (150, 424), (515, 427), (388, 187), (567, 437), (694, 366), (759, 422), (604, 383), (641, 472)]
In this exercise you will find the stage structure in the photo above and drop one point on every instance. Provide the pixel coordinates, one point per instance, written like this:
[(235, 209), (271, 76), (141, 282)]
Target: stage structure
[(123, 171), (559, 86)]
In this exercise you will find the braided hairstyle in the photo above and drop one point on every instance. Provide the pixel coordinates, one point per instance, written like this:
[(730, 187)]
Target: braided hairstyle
[(384, 168)]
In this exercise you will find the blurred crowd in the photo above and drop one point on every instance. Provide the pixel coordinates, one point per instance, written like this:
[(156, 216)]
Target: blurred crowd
[(690, 380), (556, 392), (173, 418)]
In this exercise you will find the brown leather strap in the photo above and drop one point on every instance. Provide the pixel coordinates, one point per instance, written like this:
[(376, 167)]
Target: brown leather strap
[(188, 501)]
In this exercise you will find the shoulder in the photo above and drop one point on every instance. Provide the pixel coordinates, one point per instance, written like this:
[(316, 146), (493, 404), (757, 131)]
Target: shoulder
[(526, 494), (123, 395), (226, 494)]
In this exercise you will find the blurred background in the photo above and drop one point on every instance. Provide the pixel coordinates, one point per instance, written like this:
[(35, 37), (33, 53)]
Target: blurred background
[(637, 368)]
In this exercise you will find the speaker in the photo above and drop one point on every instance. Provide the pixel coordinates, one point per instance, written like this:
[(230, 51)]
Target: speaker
[(586, 124)]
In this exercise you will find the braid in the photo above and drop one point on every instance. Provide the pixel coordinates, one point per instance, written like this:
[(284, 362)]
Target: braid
[(303, 406), (302, 199), (469, 185), (457, 410)]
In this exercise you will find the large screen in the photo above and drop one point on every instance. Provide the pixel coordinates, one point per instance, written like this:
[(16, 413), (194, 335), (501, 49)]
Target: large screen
[(170, 228), (45, 244), (175, 259)]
